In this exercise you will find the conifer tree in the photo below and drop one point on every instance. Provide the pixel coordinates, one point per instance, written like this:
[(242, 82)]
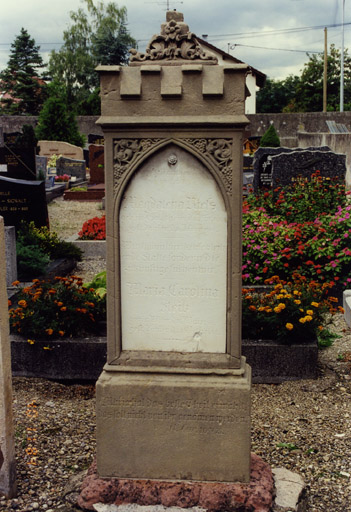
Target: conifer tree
[(270, 138), (20, 81), (56, 121)]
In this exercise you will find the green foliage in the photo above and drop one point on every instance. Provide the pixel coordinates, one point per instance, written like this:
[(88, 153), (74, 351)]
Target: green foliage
[(309, 91), (56, 120), (98, 284), (58, 307), (96, 36), (20, 80), (304, 93), (31, 260), (276, 95), (326, 338), (37, 246), (288, 446), (270, 138)]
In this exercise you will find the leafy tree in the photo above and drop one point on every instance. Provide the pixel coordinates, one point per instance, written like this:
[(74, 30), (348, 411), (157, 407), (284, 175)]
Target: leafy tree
[(56, 120), (21, 79), (276, 95), (270, 138), (309, 90), (98, 36)]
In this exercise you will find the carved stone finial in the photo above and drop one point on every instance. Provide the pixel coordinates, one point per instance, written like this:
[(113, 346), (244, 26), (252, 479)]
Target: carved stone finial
[(174, 15), (175, 44)]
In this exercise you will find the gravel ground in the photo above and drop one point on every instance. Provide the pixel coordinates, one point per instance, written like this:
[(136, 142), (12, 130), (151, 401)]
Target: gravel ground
[(303, 426)]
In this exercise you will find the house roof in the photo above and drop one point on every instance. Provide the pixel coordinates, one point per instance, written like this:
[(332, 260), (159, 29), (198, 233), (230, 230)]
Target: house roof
[(260, 77)]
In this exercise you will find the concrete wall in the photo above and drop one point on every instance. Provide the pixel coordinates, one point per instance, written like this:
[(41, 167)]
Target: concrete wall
[(86, 124), (287, 125)]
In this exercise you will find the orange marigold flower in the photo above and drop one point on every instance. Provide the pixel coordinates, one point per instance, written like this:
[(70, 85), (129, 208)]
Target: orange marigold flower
[(315, 304), (289, 326), (309, 312), (15, 283), (49, 331), (22, 303), (31, 342), (51, 291), (252, 308), (341, 309), (64, 308), (61, 333), (9, 303), (297, 301)]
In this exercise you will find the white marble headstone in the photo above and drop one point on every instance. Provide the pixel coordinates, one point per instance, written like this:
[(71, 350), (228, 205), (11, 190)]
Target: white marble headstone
[(173, 246)]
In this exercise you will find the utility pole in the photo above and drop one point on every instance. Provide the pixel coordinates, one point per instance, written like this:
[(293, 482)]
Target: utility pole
[(325, 75), (342, 61)]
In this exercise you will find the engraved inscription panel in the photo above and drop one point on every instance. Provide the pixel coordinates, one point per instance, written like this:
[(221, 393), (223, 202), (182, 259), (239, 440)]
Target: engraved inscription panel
[(173, 244)]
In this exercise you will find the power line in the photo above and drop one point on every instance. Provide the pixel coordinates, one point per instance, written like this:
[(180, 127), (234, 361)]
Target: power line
[(232, 47), (279, 31)]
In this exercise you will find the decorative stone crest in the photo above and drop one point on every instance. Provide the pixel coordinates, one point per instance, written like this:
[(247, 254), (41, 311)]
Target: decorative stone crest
[(216, 151), (125, 152), (174, 43)]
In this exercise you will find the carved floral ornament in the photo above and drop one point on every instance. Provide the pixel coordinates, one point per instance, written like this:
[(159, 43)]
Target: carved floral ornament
[(173, 44), (218, 152)]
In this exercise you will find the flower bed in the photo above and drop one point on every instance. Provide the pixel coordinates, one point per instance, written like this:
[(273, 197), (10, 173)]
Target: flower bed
[(316, 244)]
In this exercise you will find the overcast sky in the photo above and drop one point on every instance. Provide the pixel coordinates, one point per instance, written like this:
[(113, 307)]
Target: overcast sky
[(247, 28)]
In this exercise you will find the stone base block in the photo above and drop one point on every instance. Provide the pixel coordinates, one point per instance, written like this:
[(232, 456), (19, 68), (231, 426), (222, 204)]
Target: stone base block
[(159, 424), (257, 495)]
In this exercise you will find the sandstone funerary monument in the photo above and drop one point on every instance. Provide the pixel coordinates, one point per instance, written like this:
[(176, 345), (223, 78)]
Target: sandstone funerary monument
[(173, 401)]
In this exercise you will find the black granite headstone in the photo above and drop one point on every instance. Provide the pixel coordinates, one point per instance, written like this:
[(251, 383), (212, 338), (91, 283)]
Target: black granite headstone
[(262, 164), (17, 163), (11, 139), (71, 167), (290, 167), (23, 200)]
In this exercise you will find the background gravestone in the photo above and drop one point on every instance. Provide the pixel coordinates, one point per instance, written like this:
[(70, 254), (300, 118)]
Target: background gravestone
[(8, 485), (262, 164), (287, 168), (71, 167), (41, 163), (97, 163), (97, 139), (23, 200), (54, 147)]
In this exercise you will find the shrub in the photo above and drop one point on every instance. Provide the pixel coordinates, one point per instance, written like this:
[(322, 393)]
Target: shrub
[(270, 138), (56, 308), (292, 311), (31, 260), (93, 229), (37, 246)]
